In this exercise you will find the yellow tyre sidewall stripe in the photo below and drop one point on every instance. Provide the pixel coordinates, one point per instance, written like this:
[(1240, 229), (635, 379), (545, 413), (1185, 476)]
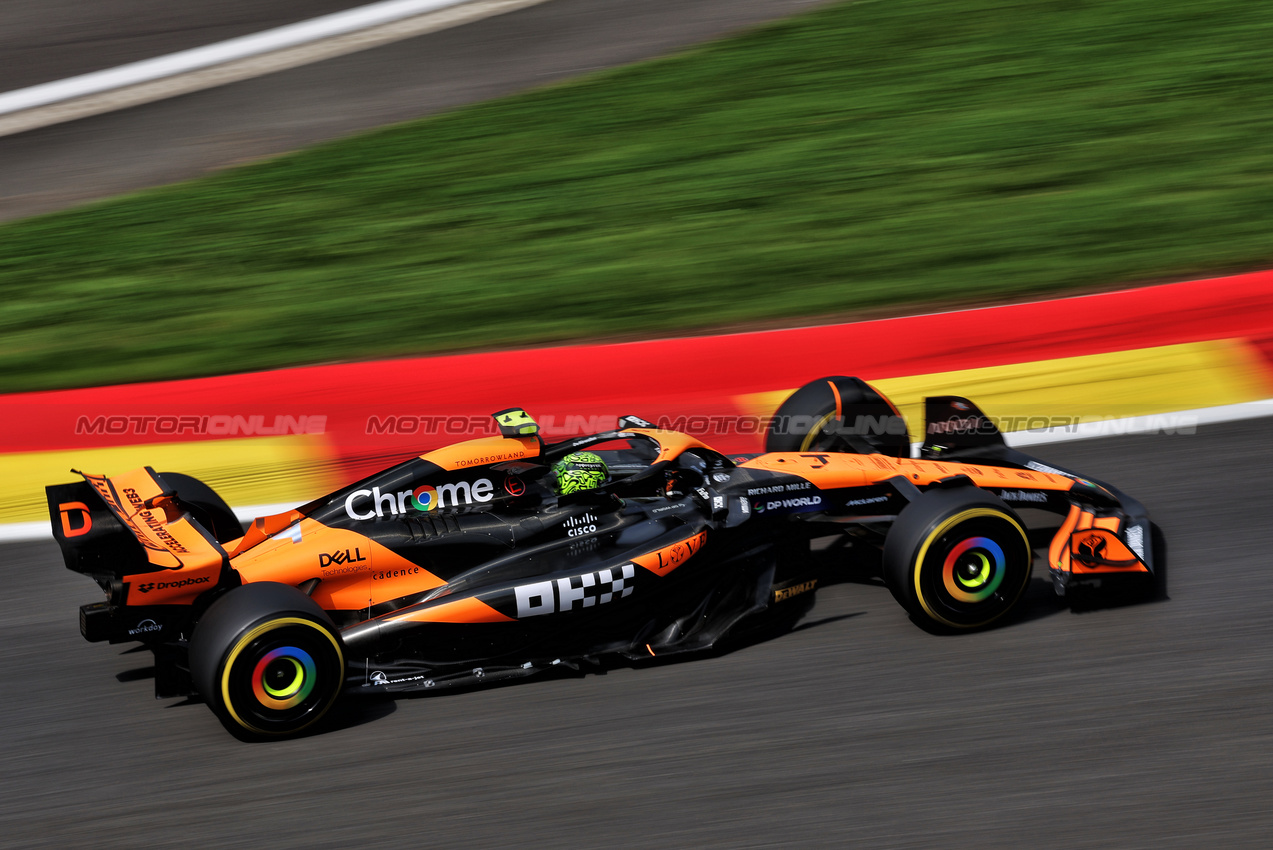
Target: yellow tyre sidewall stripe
[(255, 633)]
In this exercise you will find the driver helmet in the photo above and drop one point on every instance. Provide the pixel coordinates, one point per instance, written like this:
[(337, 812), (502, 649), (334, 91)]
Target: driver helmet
[(580, 471)]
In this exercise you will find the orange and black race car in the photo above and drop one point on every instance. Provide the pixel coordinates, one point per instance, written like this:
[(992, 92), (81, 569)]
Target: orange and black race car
[(503, 557)]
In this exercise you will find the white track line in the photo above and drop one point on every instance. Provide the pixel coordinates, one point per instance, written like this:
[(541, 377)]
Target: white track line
[(1177, 422), (21, 532), (238, 59)]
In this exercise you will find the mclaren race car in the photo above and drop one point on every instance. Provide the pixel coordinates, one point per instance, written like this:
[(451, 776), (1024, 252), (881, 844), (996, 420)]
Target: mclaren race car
[(505, 556)]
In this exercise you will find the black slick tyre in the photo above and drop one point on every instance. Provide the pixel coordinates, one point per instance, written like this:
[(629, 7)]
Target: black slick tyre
[(838, 413), (267, 660), (957, 559), (205, 505)]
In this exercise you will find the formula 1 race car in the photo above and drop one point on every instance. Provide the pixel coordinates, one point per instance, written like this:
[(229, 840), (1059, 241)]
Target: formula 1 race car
[(504, 556)]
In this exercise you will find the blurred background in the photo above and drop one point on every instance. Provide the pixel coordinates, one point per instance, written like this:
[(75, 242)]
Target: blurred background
[(293, 258)]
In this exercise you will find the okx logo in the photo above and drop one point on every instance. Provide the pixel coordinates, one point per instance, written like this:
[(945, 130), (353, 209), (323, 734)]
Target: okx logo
[(574, 593)]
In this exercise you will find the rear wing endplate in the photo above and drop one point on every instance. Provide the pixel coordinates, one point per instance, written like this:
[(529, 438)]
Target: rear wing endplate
[(145, 507)]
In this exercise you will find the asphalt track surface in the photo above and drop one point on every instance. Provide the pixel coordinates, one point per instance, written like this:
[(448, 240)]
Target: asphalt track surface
[(1142, 726), (67, 164)]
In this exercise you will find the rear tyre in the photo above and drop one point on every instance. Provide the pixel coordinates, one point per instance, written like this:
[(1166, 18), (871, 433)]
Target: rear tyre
[(205, 505), (268, 660), (957, 559), (838, 414)]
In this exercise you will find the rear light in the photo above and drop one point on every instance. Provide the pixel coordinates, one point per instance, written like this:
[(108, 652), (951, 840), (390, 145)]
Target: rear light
[(95, 621)]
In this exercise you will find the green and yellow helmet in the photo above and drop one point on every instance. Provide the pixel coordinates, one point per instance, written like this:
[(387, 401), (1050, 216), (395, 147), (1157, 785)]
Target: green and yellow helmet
[(580, 471)]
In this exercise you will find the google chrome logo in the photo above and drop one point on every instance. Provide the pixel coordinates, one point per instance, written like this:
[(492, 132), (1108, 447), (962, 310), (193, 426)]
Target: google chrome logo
[(425, 497)]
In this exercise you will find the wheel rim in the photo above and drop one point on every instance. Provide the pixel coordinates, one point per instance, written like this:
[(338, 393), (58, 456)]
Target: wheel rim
[(972, 568), (282, 676)]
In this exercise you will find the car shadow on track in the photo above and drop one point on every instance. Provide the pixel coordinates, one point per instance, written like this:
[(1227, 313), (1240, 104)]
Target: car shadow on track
[(351, 713), (860, 564), (770, 628), (345, 714), (136, 674), (841, 561)]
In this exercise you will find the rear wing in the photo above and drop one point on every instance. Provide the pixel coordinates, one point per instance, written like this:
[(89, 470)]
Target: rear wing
[(127, 524)]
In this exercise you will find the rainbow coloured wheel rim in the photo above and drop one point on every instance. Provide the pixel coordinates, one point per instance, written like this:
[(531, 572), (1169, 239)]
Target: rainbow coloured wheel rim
[(282, 675), (972, 567)]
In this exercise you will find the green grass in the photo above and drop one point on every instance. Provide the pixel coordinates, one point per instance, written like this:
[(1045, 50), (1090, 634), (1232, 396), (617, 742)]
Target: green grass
[(865, 154)]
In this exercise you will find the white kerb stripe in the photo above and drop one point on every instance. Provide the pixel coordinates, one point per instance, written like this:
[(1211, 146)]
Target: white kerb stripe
[(15, 532), (234, 49)]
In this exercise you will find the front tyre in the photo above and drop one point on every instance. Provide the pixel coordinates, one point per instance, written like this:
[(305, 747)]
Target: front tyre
[(957, 559), (268, 660)]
